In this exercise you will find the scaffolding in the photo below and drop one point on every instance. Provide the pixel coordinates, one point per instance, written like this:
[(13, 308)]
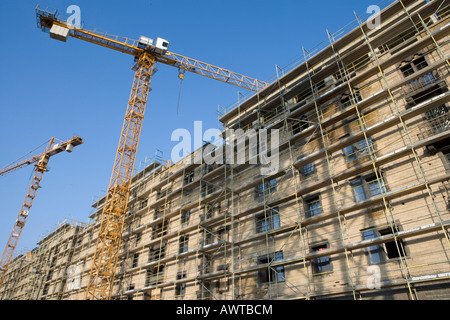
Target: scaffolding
[(349, 116)]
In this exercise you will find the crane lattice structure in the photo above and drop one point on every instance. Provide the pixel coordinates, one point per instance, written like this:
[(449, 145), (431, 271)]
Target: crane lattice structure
[(40, 167), (146, 55)]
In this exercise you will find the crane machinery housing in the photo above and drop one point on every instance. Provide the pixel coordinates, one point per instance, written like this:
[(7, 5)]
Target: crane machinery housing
[(146, 55), (40, 167)]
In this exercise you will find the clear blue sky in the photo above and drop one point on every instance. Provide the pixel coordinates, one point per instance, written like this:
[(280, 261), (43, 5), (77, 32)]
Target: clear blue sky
[(54, 89)]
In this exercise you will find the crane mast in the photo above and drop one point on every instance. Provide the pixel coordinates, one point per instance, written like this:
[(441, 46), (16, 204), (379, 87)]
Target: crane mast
[(101, 278), (110, 233), (39, 170)]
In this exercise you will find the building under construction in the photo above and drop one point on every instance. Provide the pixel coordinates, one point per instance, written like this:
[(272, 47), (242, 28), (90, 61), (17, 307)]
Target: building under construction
[(358, 207)]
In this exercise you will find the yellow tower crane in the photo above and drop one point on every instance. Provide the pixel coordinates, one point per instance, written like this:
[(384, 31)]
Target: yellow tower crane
[(146, 53), (40, 167)]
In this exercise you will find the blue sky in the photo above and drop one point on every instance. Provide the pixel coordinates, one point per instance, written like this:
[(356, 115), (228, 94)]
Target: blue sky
[(55, 89)]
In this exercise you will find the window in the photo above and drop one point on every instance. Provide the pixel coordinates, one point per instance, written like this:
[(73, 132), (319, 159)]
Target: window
[(185, 216), (376, 186), (154, 276), (321, 264), (352, 152), (131, 287), (446, 154), (313, 206), (369, 185), (398, 42), (183, 244), (45, 290), (138, 237), (180, 288), (349, 153), (135, 260), (271, 274), (394, 248), (254, 147), (143, 204), (188, 177), (374, 252), (156, 254), (267, 187), (438, 119), (303, 96), (160, 230), (406, 69), (348, 99), (268, 221), (359, 193), (308, 170), (365, 146), (359, 63), (206, 189), (296, 128), (301, 125), (208, 168), (223, 285), (419, 62)]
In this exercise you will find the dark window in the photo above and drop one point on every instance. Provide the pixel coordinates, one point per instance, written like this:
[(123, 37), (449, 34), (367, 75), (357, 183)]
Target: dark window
[(188, 177), (267, 187), (143, 204), (349, 153), (302, 97), (308, 170), (446, 154), (359, 193), (438, 119), (45, 290), (185, 216), (362, 147), (154, 276), (313, 206), (135, 260), (407, 69), (138, 237), (156, 254), (348, 99), (206, 189), (130, 287), (296, 128), (365, 146), (374, 252), (268, 220), (208, 168), (376, 186), (345, 101), (321, 264), (180, 288), (369, 185), (183, 244), (420, 62), (160, 230), (271, 274), (301, 125), (394, 248)]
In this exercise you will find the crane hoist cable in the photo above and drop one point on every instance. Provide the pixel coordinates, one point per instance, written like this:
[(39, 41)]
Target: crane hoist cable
[(181, 76)]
